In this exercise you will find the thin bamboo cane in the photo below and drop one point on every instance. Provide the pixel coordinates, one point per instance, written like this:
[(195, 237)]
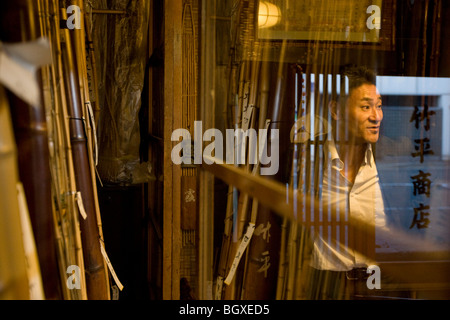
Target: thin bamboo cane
[(80, 50), (244, 103), (225, 254), (233, 64), (285, 272), (302, 274), (263, 123), (435, 48), (260, 281), (95, 100), (244, 211), (226, 240)]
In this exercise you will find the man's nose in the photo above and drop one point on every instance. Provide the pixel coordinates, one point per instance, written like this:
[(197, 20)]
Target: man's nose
[(376, 114)]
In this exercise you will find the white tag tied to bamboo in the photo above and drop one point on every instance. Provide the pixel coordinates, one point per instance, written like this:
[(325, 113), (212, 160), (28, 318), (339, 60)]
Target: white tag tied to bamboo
[(109, 264), (94, 130), (242, 246), (81, 209)]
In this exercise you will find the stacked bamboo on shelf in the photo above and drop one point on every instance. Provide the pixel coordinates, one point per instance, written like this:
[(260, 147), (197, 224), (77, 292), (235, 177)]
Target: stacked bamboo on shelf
[(79, 135)]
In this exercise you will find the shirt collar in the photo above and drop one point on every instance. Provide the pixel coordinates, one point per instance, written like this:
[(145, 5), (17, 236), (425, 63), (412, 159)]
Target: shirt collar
[(330, 148), (369, 155)]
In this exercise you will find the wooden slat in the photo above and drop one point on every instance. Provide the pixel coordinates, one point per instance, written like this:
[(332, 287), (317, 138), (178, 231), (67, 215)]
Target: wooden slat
[(172, 173)]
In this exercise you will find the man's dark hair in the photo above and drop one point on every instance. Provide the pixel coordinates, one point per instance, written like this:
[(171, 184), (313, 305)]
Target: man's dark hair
[(357, 76)]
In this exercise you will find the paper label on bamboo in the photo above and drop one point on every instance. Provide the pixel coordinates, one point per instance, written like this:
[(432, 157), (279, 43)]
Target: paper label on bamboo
[(80, 205), (242, 246), (110, 267), (18, 65)]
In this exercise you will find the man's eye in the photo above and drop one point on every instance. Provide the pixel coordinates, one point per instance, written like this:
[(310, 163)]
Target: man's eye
[(365, 107), (379, 107)]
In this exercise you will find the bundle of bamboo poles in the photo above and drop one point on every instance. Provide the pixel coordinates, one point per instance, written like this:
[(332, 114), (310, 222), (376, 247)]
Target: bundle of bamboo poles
[(247, 269), (56, 143), (76, 135)]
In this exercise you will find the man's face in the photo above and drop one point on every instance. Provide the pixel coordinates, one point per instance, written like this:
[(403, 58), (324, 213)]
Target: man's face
[(364, 114)]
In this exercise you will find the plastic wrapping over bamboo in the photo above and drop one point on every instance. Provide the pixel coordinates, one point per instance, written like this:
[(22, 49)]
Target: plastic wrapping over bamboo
[(120, 66)]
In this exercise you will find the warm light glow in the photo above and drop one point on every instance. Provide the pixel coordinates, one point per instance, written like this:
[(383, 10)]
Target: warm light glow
[(268, 15)]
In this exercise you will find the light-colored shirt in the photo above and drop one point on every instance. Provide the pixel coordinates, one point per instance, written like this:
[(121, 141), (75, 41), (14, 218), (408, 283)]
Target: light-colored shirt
[(361, 199)]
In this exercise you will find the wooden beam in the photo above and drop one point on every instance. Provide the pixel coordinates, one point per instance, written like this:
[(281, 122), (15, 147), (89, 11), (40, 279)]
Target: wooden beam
[(206, 180), (172, 173)]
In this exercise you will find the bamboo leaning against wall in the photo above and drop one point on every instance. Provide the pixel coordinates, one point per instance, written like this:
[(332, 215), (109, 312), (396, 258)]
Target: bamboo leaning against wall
[(66, 211), (96, 276), (57, 157)]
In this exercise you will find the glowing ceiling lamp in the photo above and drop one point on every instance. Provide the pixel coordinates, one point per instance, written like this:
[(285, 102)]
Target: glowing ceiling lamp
[(269, 14)]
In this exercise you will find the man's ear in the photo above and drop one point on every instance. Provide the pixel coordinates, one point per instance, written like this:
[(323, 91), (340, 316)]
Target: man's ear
[(333, 107)]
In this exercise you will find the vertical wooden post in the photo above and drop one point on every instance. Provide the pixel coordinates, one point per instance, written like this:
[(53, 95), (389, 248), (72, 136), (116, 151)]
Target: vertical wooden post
[(206, 179), (172, 173)]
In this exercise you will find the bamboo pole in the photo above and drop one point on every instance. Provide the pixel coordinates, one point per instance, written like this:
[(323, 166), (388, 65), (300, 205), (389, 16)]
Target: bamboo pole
[(226, 249), (263, 123), (90, 123), (263, 253), (238, 219), (95, 99), (96, 278)]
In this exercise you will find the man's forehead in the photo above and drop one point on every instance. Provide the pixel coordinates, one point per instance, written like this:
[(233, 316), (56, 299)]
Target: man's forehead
[(368, 98), (366, 92)]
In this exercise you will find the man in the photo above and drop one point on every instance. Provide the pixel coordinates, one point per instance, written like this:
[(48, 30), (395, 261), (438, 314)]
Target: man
[(350, 189)]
